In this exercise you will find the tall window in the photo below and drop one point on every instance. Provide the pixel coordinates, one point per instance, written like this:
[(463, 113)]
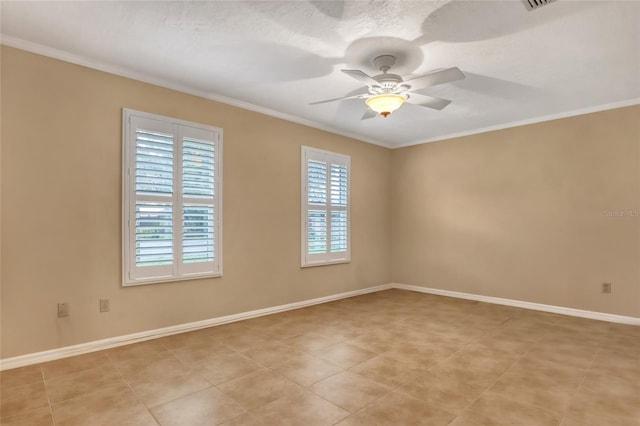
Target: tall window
[(325, 207), (172, 204)]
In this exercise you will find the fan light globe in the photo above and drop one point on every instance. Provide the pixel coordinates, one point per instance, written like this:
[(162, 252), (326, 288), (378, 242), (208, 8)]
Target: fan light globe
[(385, 104)]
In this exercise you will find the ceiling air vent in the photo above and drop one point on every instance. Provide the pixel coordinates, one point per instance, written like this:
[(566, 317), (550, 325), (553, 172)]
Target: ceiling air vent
[(534, 4)]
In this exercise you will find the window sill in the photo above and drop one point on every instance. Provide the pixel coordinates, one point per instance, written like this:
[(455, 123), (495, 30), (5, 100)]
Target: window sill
[(168, 280), (325, 263)]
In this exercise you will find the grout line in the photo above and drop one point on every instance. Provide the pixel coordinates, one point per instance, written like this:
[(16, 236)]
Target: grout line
[(46, 391), (113, 364)]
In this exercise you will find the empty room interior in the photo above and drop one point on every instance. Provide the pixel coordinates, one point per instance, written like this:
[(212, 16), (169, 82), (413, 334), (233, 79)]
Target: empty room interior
[(320, 213)]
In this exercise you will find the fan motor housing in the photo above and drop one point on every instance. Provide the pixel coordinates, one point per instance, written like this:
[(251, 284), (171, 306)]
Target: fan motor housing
[(388, 81)]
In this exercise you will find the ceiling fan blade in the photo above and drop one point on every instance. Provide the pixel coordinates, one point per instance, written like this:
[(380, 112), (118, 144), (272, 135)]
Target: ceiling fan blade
[(357, 95), (362, 77), (369, 113), (435, 77), (427, 101)]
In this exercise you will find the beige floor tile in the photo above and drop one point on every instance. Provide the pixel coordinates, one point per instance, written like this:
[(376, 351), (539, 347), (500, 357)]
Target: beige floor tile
[(310, 342), (400, 409), (590, 407), (464, 421), (622, 342), (481, 322), (611, 386), (258, 388), (386, 371), (18, 399), (592, 327), (272, 353), (547, 369), (73, 364), (158, 390), (477, 369), (349, 390), (516, 346), (534, 326), (242, 341), (38, 417), (220, 368), (617, 363), (152, 366), (579, 418), (442, 391), (610, 397), (74, 385), (286, 330), (451, 334), (116, 405), (624, 330), (136, 350), (20, 376), (197, 351), (376, 342), (552, 395), (353, 420), (344, 354), (405, 333), (487, 358), (301, 408), (509, 339), (306, 370), (495, 410), (567, 336), (342, 332), (421, 356), (206, 407), (572, 354), (542, 383)]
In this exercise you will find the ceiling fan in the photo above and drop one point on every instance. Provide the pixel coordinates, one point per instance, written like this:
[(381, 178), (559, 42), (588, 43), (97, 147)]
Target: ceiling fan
[(387, 92)]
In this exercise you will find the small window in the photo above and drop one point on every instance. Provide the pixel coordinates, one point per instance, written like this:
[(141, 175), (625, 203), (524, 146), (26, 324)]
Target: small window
[(172, 199), (325, 207)]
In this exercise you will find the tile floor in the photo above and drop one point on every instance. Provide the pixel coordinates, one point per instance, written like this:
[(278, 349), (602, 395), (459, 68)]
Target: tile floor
[(388, 358)]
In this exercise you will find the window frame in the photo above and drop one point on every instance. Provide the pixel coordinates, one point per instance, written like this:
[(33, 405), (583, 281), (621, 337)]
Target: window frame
[(310, 260), (129, 197)]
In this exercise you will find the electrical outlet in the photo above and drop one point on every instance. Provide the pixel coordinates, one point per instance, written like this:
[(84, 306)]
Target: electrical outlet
[(104, 305), (63, 310), (606, 288)]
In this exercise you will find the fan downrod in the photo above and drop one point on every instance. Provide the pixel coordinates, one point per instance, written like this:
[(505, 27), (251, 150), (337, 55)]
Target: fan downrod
[(384, 62)]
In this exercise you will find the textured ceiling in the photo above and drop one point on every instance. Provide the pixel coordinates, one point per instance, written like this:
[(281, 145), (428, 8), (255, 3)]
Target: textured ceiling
[(276, 57)]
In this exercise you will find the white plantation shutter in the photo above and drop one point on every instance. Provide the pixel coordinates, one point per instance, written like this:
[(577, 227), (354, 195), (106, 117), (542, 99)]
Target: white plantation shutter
[(153, 226), (198, 222), (339, 203), (325, 207), (171, 199)]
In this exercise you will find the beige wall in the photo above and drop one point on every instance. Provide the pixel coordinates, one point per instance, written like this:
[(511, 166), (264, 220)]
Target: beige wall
[(61, 209), (516, 213), (519, 213)]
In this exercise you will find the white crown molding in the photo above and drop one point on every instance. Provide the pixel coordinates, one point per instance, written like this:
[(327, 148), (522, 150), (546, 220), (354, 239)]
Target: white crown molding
[(145, 78), (541, 119), (139, 76), (601, 316), (98, 345)]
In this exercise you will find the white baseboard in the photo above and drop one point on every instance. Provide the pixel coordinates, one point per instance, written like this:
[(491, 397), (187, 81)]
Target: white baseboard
[(98, 345), (521, 304)]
